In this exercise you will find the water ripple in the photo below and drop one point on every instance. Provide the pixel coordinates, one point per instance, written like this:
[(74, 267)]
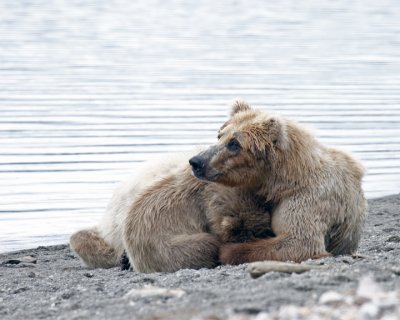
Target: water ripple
[(88, 91)]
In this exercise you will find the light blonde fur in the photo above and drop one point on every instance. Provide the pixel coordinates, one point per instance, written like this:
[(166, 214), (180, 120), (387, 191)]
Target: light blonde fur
[(167, 220), (90, 244)]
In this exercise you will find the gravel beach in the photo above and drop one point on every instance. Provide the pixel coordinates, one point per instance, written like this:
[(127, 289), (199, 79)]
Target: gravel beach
[(50, 283)]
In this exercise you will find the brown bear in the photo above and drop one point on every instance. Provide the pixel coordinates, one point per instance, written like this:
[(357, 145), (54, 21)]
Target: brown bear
[(180, 222), (233, 215), (154, 215), (319, 205), (162, 215), (166, 219)]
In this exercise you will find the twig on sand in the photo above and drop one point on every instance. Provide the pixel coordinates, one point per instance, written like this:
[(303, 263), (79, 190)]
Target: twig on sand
[(257, 269)]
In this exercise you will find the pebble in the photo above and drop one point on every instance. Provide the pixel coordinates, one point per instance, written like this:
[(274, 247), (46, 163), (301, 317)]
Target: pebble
[(67, 295), (150, 291), (88, 275), (393, 239), (369, 311), (21, 265), (368, 289), (331, 297), (396, 270), (19, 290), (347, 260), (359, 256), (24, 259), (368, 302)]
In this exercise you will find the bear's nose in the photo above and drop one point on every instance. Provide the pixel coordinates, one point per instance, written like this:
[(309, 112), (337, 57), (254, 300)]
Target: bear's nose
[(197, 164)]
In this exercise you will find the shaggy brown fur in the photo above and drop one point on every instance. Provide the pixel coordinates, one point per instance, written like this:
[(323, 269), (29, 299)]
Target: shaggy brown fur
[(237, 215), (167, 228), (233, 215), (163, 218), (91, 248), (319, 203), (166, 219)]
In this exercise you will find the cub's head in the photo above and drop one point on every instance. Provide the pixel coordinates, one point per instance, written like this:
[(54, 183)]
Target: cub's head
[(242, 226), (249, 145)]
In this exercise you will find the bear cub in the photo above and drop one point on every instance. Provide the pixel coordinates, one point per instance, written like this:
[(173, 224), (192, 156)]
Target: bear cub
[(247, 218)]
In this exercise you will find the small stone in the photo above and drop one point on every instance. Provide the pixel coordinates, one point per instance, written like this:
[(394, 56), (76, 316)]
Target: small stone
[(368, 289), (11, 261), (28, 259), (369, 311), (100, 288), (396, 270), (150, 292), (289, 312), (331, 297), (250, 310), (148, 280), (19, 290), (347, 260), (88, 275), (24, 259), (358, 301), (20, 265), (239, 316), (359, 256), (342, 278), (75, 306), (67, 295), (31, 274), (263, 316), (393, 239)]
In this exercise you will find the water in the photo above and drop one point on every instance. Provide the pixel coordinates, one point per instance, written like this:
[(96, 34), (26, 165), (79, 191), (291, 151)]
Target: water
[(88, 90)]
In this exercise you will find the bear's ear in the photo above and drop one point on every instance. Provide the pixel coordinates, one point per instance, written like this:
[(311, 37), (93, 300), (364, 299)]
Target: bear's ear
[(277, 132), (239, 106)]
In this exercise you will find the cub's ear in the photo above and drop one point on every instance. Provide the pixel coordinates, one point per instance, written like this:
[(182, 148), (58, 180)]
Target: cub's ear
[(239, 106), (276, 131)]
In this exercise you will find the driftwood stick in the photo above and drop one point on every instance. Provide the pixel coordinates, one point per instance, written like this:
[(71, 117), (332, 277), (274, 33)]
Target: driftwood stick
[(257, 269)]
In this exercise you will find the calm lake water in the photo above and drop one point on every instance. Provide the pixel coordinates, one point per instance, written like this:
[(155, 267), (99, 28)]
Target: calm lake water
[(88, 91)]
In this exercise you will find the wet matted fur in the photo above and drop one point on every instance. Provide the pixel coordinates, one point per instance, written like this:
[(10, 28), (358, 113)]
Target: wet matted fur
[(319, 205), (166, 219)]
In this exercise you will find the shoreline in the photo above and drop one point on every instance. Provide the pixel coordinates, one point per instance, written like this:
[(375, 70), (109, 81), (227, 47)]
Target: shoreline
[(66, 243), (52, 284)]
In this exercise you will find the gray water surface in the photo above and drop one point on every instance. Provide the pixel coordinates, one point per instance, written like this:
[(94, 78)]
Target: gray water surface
[(89, 89)]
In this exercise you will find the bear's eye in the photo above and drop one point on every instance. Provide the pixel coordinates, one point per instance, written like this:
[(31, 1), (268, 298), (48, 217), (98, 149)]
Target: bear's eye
[(233, 145)]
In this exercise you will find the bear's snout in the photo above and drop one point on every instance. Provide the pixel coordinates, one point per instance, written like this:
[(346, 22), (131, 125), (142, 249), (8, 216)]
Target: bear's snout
[(198, 166)]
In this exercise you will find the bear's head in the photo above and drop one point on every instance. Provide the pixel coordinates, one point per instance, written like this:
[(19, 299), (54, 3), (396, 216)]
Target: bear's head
[(243, 227), (250, 145)]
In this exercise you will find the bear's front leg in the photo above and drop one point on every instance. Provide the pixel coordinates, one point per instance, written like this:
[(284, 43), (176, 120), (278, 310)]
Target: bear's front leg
[(234, 253), (281, 248)]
